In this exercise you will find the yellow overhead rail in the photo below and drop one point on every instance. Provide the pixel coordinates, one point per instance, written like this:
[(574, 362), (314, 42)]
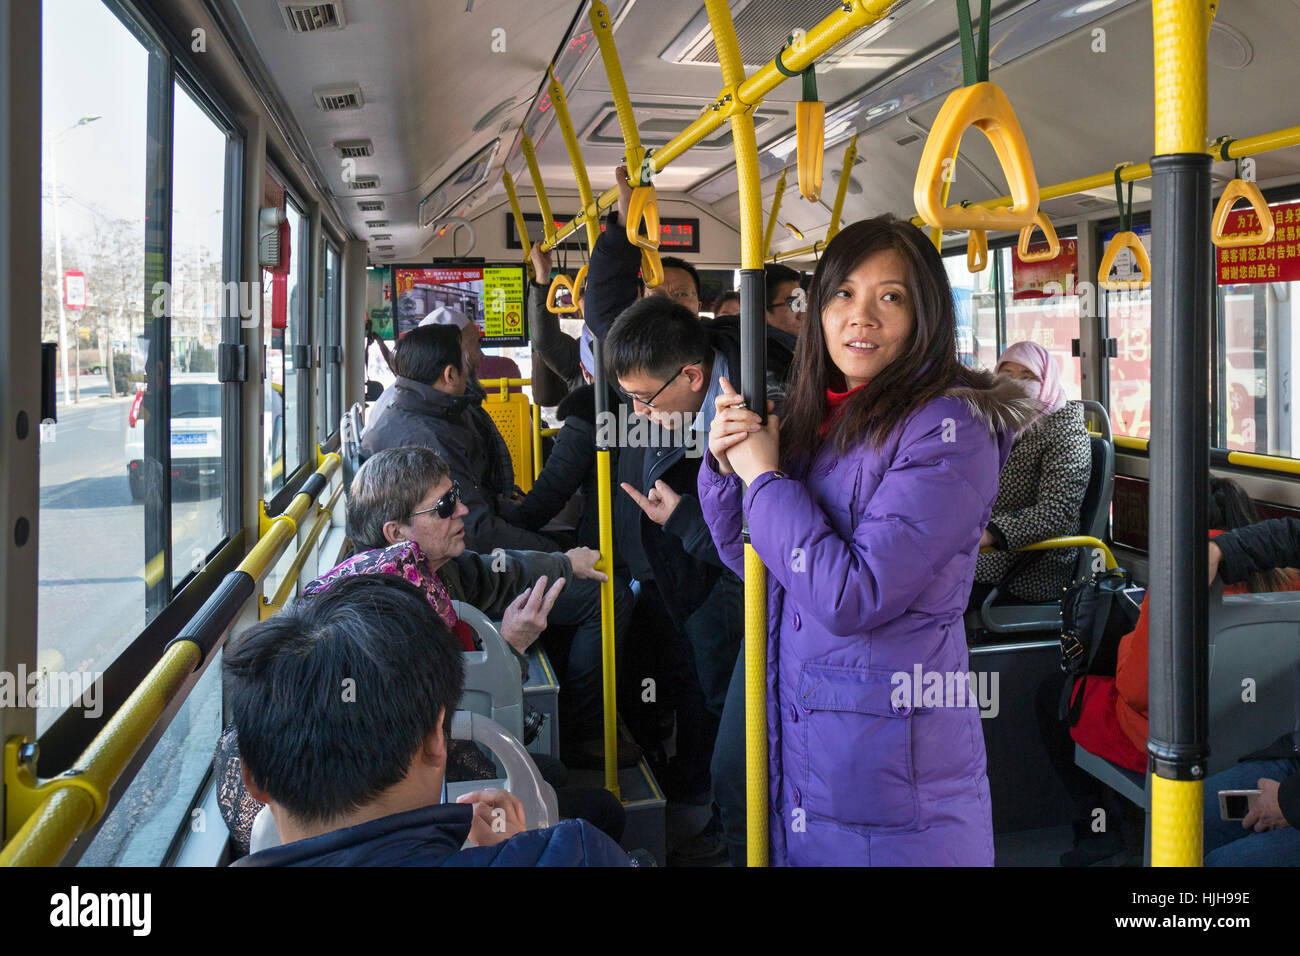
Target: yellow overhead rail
[(846, 173), (548, 220), (847, 19), (521, 226), (561, 107), (43, 820), (1130, 173), (772, 214), (602, 24)]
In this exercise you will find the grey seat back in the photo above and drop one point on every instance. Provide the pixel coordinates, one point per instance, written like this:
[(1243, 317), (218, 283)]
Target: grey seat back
[(493, 679), (1254, 647), (523, 779)]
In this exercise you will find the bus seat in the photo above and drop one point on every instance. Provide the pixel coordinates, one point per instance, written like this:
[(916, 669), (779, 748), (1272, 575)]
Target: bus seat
[(1094, 516), (493, 684), (1127, 783), (513, 416), (1253, 653), (523, 779), (1251, 636)]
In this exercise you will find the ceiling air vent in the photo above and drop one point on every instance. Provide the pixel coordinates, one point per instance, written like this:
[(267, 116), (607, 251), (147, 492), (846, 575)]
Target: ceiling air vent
[(371, 205), (364, 182), (381, 235), (355, 148), (376, 223), (384, 248), (312, 17), (908, 140), (1089, 203), (335, 98)]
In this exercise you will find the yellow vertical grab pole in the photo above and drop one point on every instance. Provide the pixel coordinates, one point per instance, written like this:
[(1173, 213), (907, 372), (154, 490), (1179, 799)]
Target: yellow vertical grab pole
[(846, 173), (608, 670), (561, 107), (521, 226), (634, 158), (633, 153), (1181, 310), (771, 216), (548, 221), (752, 359)]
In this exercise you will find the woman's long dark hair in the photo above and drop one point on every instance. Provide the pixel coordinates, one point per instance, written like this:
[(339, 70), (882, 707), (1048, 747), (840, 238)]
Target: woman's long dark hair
[(927, 367), (1231, 508)]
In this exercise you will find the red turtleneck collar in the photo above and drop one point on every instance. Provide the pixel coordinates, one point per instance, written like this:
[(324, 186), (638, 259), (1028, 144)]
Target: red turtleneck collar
[(835, 402)]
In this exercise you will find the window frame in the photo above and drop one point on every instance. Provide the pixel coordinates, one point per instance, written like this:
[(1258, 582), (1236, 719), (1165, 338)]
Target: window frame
[(995, 246), (176, 604)]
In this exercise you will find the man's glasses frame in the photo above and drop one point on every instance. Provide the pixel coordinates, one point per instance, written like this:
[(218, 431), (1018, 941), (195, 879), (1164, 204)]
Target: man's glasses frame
[(650, 402), (445, 506)]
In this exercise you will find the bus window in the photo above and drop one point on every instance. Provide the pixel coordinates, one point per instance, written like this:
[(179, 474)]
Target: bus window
[(977, 312), (95, 510), (1042, 305), (198, 239)]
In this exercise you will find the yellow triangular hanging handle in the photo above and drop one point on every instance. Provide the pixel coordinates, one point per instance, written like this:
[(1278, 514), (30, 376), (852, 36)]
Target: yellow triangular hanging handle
[(1240, 189), (1049, 233), (562, 281), (977, 250), (579, 281), (810, 130), (643, 206), (985, 107), (1119, 242), (652, 269)]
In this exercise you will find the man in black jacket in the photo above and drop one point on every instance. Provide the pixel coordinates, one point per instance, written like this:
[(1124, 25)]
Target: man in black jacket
[(436, 404), (690, 610)]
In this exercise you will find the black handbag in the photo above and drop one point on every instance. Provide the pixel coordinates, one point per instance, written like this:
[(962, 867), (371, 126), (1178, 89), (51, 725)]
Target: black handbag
[(1096, 612)]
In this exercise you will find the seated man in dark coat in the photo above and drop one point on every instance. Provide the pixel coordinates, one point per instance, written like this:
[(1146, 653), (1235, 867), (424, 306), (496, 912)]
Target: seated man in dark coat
[(342, 704)]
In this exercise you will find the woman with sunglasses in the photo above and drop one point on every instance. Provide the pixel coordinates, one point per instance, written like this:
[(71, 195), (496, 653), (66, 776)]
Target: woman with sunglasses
[(866, 502), (405, 517)]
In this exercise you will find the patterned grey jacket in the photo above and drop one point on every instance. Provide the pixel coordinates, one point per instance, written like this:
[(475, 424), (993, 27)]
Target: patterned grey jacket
[(1039, 495)]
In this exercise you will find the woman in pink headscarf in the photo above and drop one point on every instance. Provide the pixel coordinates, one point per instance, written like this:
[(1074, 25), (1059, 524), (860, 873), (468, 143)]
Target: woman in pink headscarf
[(1041, 488)]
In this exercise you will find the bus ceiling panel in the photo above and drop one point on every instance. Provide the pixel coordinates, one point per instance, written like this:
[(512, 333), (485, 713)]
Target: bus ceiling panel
[(428, 84)]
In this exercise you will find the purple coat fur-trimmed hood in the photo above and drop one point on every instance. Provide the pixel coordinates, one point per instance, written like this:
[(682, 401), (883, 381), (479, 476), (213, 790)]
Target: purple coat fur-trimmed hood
[(870, 559)]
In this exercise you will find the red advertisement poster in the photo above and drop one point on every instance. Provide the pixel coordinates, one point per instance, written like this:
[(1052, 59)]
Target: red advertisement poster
[(1031, 280), (1275, 261)]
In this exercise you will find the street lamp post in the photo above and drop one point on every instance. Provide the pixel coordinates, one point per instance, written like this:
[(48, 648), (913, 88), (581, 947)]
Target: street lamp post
[(58, 261)]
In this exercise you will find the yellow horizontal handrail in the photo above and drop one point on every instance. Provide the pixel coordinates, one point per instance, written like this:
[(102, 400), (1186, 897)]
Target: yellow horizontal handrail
[(848, 18), (503, 385), (1068, 541), (323, 520), (1237, 149), (46, 819), (1247, 459)]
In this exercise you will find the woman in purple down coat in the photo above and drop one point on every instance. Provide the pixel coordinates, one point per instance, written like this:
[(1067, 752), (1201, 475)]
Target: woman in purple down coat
[(866, 503)]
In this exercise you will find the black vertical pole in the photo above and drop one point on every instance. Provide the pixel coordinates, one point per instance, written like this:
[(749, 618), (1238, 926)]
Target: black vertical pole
[(1179, 451)]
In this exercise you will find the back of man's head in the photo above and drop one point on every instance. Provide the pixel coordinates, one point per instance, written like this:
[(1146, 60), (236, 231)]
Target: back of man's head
[(657, 336), (333, 697), (425, 352)]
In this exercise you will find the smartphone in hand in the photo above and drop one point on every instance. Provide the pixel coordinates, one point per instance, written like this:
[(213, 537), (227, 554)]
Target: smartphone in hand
[(1235, 804)]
